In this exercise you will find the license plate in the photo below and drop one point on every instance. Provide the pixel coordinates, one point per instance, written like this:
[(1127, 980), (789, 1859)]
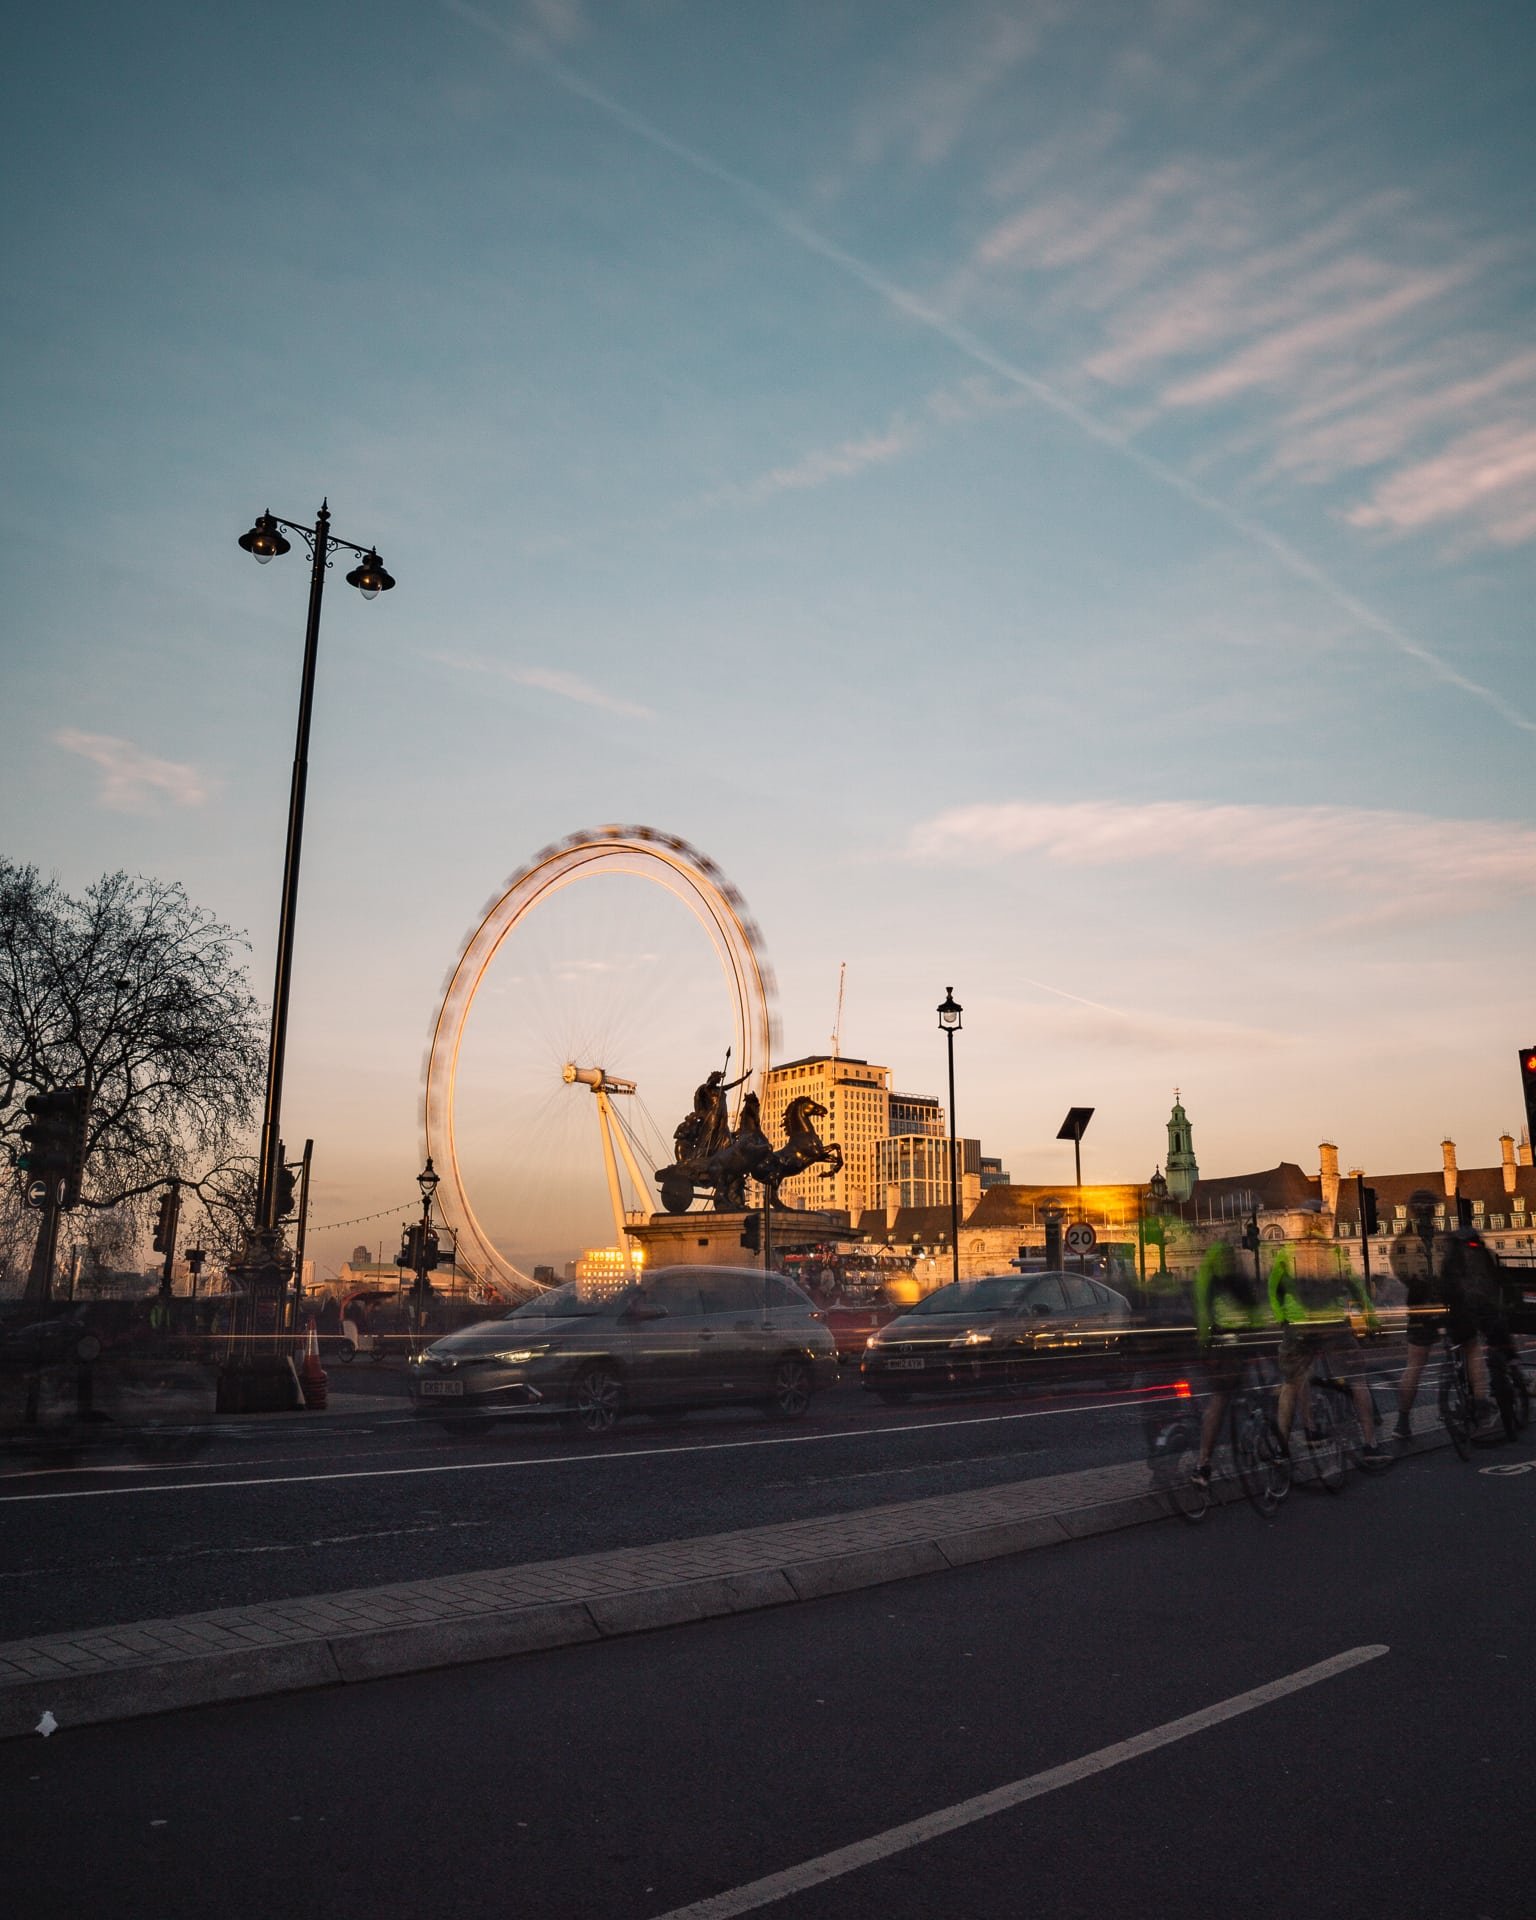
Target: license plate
[(441, 1389), (904, 1363)]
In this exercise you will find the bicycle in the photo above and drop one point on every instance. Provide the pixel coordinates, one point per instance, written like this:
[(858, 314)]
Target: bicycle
[(1173, 1447), (1510, 1389), (1340, 1399), (1457, 1413), (1259, 1455)]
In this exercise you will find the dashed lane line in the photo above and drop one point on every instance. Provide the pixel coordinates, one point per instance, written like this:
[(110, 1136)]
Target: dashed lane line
[(880, 1846)]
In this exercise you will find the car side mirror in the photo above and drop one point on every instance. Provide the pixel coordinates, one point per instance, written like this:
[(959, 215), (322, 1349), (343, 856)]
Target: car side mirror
[(1039, 1306)]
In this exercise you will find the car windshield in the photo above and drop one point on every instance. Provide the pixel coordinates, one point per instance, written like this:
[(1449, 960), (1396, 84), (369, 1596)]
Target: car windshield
[(565, 1303), (972, 1296)]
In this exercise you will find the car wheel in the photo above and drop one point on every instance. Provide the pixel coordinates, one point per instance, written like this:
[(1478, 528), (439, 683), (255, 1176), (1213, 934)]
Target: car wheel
[(791, 1389), (597, 1399), (344, 1355)]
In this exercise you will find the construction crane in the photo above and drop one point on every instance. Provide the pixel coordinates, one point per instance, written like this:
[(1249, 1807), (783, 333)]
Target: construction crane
[(837, 1024)]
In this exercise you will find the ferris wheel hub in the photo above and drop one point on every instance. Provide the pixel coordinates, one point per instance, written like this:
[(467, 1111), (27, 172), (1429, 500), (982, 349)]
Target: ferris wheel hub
[(595, 1078)]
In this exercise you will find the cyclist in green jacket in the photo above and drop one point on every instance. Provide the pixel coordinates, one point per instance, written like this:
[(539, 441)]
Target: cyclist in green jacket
[(1314, 1316), (1226, 1307)]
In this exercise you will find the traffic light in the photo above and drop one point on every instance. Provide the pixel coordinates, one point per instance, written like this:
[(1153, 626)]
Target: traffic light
[(52, 1155), (282, 1196), (1251, 1235), (752, 1233), (1528, 1088), (1370, 1219), (1463, 1213), (165, 1220), (408, 1254), (434, 1255)]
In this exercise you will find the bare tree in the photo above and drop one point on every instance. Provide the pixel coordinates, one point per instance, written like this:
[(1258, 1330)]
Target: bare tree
[(137, 994)]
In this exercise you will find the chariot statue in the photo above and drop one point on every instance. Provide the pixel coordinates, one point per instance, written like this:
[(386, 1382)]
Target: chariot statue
[(716, 1159)]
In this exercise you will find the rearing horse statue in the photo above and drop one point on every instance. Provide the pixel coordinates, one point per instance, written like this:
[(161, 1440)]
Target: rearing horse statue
[(803, 1147)]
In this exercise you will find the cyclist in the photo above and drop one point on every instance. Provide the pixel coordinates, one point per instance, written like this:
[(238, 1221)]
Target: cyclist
[(1469, 1283), (1226, 1307), (1452, 1288), (1314, 1316)]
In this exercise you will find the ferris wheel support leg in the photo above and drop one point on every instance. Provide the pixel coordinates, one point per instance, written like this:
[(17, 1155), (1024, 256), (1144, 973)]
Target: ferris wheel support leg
[(642, 1189), (611, 1168)]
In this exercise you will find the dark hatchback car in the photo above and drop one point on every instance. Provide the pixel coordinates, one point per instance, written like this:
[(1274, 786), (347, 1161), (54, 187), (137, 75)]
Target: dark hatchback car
[(1038, 1330), (683, 1337)]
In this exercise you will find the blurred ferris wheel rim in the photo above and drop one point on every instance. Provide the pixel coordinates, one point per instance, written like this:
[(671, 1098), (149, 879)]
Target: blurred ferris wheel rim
[(645, 853)]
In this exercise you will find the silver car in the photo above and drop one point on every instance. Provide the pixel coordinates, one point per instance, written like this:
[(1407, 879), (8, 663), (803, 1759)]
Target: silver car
[(682, 1337)]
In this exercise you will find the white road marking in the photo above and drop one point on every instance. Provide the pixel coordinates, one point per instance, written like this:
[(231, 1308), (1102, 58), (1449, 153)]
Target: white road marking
[(880, 1846), (564, 1459)]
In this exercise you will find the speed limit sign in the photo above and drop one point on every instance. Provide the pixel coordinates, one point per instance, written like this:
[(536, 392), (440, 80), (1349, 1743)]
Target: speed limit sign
[(1080, 1237)]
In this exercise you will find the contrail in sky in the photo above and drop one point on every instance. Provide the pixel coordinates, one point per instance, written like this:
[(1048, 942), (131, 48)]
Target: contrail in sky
[(534, 47)]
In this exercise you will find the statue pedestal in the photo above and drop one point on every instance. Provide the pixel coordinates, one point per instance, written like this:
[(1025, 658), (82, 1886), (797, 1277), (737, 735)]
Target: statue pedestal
[(714, 1239)]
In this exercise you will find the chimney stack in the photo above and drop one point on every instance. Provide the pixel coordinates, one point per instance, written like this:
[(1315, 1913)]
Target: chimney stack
[(1448, 1154), (1507, 1160), (1523, 1151), (1328, 1162)]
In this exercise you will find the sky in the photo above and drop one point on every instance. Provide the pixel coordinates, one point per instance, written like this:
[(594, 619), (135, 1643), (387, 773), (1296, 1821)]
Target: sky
[(1043, 495)]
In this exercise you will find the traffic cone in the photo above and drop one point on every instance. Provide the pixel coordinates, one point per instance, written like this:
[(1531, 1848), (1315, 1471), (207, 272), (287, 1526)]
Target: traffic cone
[(311, 1374)]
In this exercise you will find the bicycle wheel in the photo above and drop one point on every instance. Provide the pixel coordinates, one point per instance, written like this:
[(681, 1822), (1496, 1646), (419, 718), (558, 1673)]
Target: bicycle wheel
[(1172, 1459), (1456, 1409), (1521, 1390), (1324, 1442), (1263, 1467), (1502, 1374)]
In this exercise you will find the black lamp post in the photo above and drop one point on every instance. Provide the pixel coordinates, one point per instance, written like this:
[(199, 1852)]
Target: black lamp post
[(428, 1181), (949, 1025), (265, 542)]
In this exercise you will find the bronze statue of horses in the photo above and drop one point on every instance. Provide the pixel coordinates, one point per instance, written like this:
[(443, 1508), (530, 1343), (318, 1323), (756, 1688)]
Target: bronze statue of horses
[(803, 1147)]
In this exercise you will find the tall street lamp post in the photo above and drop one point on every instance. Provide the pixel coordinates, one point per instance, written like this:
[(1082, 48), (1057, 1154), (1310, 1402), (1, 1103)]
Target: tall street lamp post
[(264, 1254), (949, 1025), (426, 1246)]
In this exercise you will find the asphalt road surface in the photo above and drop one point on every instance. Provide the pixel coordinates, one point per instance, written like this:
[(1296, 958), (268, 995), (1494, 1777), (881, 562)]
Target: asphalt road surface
[(364, 1499), (1368, 1661)]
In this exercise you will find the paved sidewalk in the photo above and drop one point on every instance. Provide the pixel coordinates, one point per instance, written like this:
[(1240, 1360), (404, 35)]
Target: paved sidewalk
[(232, 1653)]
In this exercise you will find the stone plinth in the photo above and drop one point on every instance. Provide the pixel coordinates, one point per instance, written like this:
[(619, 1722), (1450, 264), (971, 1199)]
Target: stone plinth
[(714, 1239)]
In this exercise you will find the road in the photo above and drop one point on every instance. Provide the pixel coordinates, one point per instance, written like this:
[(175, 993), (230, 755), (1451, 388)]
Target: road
[(631, 1779), (362, 1499)]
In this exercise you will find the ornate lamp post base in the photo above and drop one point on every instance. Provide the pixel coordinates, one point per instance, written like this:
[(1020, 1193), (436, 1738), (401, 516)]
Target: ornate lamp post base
[(259, 1375)]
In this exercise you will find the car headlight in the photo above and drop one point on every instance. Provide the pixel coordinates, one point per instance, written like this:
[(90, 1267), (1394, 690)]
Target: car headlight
[(873, 1340), (519, 1355)]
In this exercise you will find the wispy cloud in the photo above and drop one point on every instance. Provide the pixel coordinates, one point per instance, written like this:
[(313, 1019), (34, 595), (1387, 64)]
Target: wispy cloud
[(565, 686), (1344, 334), (929, 96), (1378, 849), (1490, 474), (840, 462), (131, 779), (971, 346), (1087, 1025)]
